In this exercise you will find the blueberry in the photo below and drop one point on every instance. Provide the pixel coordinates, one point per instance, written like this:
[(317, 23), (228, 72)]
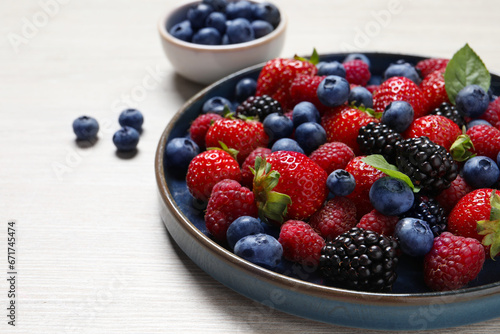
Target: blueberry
[(261, 249), (261, 28), (132, 118), (126, 139), (402, 69), (239, 9), (239, 31), (218, 5), (472, 101), (85, 128), (207, 36), (332, 68), (310, 136), (277, 126), (477, 121), (245, 88), (216, 20), (391, 196), (182, 31), (340, 182), (286, 144), (333, 91), (178, 154), (305, 112), (415, 236), (358, 56), (241, 227), (398, 115), (360, 96), (266, 11), (480, 172), (198, 14), (216, 105)]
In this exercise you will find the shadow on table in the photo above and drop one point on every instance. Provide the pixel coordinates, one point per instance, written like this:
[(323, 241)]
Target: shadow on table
[(185, 87)]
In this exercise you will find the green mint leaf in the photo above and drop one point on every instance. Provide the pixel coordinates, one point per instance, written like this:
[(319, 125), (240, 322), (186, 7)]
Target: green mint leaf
[(378, 161), (465, 68)]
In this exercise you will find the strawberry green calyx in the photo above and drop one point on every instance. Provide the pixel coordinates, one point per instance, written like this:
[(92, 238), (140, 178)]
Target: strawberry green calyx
[(369, 111), (491, 228), (231, 151), (272, 205), (313, 60), (462, 148)]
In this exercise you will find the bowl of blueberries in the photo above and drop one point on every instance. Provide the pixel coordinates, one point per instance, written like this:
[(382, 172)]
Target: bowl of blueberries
[(209, 39)]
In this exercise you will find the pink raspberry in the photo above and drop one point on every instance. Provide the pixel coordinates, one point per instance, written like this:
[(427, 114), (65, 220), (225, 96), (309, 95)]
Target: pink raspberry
[(301, 243)]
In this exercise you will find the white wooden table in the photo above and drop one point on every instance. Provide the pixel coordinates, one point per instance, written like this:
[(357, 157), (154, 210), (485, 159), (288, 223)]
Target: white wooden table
[(93, 255)]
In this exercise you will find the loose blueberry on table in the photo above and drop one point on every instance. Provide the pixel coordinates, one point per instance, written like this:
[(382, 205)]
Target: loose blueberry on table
[(350, 181)]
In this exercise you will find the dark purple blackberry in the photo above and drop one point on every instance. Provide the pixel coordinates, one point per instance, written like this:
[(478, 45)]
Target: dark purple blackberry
[(259, 106), (361, 260), (428, 164), (378, 138), (451, 112), (428, 209)]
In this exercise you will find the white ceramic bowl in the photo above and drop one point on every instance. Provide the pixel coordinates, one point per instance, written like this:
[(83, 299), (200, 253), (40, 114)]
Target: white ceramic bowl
[(206, 64)]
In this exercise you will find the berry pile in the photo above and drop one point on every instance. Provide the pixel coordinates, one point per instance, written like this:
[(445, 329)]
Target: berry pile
[(348, 172), (221, 22)]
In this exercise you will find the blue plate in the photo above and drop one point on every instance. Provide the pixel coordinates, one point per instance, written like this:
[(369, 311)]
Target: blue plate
[(293, 289)]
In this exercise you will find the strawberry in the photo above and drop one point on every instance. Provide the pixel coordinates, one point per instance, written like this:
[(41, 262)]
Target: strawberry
[(288, 185), (208, 168), (427, 66), (277, 75), (246, 173), (237, 134), (332, 156), (372, 88), (400, 89), (486, 140), (228, 201), (199, 127), (357, 72), (452, 262), (337, 216), (304, 88), (301, 243), (377, 222), (342, 124), (450, 196), (492, 113), (364, 175), (441, 130), (433, 88)]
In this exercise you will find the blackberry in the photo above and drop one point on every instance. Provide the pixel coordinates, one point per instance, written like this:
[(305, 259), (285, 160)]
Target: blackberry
[(379, 138), (259, 106), (361, 260), (451, 112), (428, 209), (428, 164)]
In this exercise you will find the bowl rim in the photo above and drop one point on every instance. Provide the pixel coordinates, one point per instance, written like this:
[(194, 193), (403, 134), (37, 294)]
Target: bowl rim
[(286, 282), (165, 35)]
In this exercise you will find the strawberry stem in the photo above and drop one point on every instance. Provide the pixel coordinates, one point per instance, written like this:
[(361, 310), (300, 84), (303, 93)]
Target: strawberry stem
[(491, 228)]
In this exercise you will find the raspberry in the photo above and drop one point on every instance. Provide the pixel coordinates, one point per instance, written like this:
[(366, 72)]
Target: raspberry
[(427, 66), (336, 217), (332, 156), (492, 113), (453, 262), (377, 222), (301, 243), (449, 197), (199, 127), (357, 72)]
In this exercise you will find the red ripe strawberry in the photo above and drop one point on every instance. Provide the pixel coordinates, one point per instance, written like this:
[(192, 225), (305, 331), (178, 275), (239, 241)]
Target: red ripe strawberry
[(337, 216), (450, 196), (441, 130), (400, 89), (372, 88), (427, 66), (229, 200), (342, 124), (277, 76), (492, 113), (199, 127), (332, 156), (357, 72), (486, 140), (364, 175), (241, 135), (433, 89), (246, 173), (288, 185), (377, 222), (453, 262), (301, 243), (304, 88), (208, 168)]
